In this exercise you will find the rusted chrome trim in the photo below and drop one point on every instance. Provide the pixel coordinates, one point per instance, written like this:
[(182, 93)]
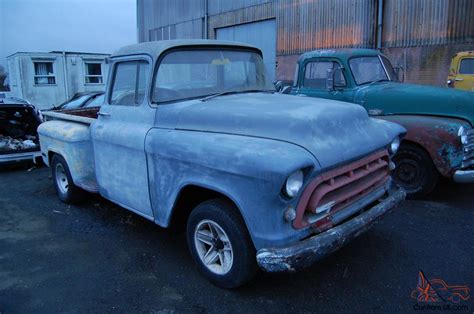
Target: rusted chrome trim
[(305, 253), (464, 176), (20, 156)]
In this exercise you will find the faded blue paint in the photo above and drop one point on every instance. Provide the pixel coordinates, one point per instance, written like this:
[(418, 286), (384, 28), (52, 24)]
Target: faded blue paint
[(72, 141), (243, 146)]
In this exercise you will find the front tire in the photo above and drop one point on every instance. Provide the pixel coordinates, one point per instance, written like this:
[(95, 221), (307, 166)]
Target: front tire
[(66, 190), (414, 171), (220, 244)]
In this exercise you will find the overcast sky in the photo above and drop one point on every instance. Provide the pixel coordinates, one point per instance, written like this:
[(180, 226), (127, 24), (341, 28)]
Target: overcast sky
[(71, 25)]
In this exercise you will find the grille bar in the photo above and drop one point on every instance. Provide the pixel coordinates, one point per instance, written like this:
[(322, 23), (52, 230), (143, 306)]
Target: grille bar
[(468, 149), (341, 187)]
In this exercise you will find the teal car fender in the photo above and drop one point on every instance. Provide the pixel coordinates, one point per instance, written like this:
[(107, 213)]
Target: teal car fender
[(438, 136)]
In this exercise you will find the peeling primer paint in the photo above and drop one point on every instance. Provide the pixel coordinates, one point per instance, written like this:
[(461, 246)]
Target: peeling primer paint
[(438, 136), (451, 154), (72, 141), (307, 252)]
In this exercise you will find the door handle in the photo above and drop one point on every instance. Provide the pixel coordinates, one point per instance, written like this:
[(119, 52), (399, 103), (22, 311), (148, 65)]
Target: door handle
[(458, 79), (104, 114)]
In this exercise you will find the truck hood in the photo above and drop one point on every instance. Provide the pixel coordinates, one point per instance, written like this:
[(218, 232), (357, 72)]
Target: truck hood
[(332, 131), (401, 98)]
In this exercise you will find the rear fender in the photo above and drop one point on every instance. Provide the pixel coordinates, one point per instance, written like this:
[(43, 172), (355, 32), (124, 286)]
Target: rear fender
[(71, 141)]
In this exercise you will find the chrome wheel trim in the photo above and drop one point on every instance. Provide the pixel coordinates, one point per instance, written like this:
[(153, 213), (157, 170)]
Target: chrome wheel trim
[(213, 247), (61, 178)]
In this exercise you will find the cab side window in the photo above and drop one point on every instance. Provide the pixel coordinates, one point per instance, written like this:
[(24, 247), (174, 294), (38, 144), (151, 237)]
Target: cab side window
[(129, 83), (467, 66), (316, 72)]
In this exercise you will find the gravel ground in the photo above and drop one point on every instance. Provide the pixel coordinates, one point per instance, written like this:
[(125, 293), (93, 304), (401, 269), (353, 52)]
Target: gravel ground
[(98, 257)]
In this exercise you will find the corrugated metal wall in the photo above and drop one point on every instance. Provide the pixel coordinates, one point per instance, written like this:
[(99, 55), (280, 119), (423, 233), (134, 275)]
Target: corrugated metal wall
[(427, 22), (178, 18), (220, 6), (421, 36), (305, 25), (249, 14), (311, 24)]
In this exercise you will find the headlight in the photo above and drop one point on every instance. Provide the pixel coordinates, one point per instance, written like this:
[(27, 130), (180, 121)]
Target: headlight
[(462, 135), (294, 183), (394, 146)]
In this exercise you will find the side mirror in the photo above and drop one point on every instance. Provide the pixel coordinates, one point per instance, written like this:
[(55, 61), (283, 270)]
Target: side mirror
[(400, 73), (330, 79), (278, 85), (286, 90)]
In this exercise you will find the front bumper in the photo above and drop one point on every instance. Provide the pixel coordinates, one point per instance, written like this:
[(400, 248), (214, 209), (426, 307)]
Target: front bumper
[(464, 176), (305, 253)]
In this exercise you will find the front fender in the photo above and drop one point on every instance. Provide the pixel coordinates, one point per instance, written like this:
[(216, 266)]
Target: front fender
[(249, 170), (437, 135)]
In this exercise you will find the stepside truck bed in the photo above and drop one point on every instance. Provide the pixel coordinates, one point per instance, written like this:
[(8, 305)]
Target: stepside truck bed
[(67, 133)]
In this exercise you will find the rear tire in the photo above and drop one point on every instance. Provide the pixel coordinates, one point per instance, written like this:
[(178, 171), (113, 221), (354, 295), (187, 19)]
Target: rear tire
[(220, 244), (414, 171), (66, 190)]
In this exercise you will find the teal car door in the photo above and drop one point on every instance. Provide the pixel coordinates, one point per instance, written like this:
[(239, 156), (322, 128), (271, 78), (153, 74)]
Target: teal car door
[(313, 80)]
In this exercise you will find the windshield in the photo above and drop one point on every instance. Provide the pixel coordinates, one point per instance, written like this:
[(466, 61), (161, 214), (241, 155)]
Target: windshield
[(75, 103), (199, 73), (368, 69), (389, 68), (97, 101)]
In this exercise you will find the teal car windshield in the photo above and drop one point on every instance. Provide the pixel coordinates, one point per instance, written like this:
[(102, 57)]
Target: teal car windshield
[(370, 69), (187, 74)]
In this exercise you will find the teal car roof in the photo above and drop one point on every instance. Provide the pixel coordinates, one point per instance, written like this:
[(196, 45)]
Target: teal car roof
[(344, 53)]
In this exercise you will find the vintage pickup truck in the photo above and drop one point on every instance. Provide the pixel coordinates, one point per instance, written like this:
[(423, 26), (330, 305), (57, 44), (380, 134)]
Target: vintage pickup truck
[(440, 138), (189, 135)]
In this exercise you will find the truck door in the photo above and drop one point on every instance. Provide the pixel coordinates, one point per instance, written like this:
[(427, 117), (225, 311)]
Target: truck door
[(465, 77), (313, 82), (119, 133)]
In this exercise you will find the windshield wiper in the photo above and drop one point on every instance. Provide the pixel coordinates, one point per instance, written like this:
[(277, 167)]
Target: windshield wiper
[(379, 80), (237, 92)]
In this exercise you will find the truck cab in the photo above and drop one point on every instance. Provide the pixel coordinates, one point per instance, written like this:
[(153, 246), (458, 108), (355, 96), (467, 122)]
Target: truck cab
[(191, 135), (461, 71), (440, 138)]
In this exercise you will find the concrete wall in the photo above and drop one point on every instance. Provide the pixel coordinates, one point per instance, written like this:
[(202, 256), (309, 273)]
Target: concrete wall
[(22, 73)]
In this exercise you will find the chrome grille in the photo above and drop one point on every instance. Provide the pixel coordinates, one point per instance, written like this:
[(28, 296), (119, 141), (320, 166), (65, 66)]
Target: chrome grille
[(468, 149)]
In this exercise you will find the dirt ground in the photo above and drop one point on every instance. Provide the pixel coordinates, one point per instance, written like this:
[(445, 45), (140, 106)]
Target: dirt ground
[(98, 257)]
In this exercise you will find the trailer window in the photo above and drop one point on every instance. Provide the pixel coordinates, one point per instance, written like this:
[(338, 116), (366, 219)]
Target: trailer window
[(93, 73), (44, 73)]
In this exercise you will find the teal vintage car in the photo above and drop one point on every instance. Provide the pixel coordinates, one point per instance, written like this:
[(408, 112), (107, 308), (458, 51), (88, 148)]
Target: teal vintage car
[(440, 138)]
